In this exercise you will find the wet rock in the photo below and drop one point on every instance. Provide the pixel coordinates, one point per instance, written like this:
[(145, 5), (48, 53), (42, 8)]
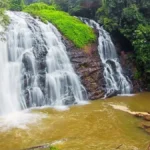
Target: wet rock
[(129, 67), (88, 66), (111, 93), (146, 126)]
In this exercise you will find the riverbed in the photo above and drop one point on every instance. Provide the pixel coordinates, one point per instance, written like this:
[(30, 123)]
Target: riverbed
[(94, 126)]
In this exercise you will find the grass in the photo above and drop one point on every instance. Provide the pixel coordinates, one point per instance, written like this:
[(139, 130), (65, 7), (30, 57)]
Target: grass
[(71, 27)]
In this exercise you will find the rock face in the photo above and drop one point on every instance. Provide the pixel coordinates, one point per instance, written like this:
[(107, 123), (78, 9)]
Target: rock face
[(125, 51), (130, 69), (88, 66)]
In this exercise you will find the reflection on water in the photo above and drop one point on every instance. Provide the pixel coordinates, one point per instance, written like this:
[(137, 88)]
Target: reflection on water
[(96, 126)]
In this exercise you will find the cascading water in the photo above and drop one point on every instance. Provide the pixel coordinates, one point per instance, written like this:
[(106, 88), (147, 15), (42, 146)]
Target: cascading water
[(35, 68), (113, 73), (9, 77), (62, 84)]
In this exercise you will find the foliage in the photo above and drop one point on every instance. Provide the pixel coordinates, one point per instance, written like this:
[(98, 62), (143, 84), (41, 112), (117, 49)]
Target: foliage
[(40, 6), (84, 8), (53, 148), (137, 74), (141, 43), (79, 33), (122, 13), (62, 4), (132, 14), (16, 5), (4, 4), (4, 20), (109, 24), (28, 2), (131, 18)]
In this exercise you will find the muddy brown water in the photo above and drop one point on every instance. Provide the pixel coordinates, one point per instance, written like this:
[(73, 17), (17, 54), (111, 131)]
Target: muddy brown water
[(96, 126)]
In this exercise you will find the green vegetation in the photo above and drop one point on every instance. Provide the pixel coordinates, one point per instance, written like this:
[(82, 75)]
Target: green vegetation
[(86, 8), (141, 43), (4, 20), (53, 148), (131, 18), (71, 27), (16, 5)]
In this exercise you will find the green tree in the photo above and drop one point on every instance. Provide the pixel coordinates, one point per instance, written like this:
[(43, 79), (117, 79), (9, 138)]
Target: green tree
[(131, 18), (16, 5), (141, 43)]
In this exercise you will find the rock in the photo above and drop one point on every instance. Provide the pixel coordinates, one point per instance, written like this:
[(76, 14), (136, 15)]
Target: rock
[(146, 126), (111, 93), (88, 66), (143, 115), (148, 147), (38, 147), (125, 50), (147, 117)]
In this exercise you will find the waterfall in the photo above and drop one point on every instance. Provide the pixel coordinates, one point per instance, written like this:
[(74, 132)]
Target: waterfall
[(115, 80), (35, 68), (9, 74)]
